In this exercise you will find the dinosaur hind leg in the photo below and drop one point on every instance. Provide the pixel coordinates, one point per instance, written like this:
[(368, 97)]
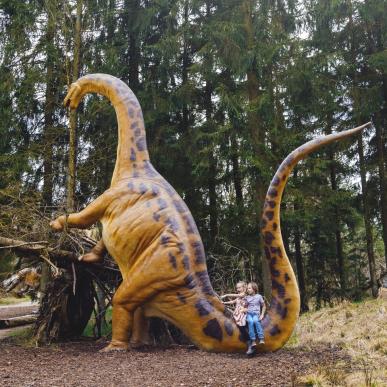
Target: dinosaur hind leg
[(135, 290)]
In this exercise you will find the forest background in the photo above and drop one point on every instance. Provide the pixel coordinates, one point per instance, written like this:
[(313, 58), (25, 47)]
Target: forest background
[(228, 89)]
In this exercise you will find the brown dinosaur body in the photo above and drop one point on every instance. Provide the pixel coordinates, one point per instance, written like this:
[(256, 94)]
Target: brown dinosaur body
[(151, 234)]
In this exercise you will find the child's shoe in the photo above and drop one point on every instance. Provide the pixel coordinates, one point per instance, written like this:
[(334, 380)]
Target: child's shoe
[(261, 341), (250, 350), (253, 343)]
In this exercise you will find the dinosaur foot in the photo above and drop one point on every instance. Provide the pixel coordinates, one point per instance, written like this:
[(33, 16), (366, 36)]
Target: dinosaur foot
[(90, 257), (113, 347)]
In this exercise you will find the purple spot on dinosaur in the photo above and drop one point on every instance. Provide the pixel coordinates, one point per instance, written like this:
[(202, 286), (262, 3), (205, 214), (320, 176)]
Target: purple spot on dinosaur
[(272, 192), (172, 260), (276, 250), (164, 239), (143, 188), (204, 307), (162, 204), (213, 329), (275, 180), (198, 252), (131, 112), (279, 287), (141, 144), (269, 237), (137, 132), (181, 298), (132, 154), (179, 205), (191, 226), (204, 282), (155, 190), (189, 281), (171, 222), (275, 330), (228, 328), (266, 321), (186, 264), (149, 170)]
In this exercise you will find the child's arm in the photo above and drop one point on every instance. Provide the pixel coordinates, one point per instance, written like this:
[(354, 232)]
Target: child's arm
[(230, 302), (263, 311), (229, 295)]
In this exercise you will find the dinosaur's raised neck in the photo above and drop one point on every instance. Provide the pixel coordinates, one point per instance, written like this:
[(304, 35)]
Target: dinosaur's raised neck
[(132, 152)]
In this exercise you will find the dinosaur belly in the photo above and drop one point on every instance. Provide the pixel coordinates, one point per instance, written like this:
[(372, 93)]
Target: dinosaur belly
[(130, 235)]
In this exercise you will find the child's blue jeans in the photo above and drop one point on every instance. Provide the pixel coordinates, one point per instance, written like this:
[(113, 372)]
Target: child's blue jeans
[(253, 322)]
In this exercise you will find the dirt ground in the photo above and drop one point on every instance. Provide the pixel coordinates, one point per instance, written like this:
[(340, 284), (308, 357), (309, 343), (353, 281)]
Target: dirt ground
[(80, 364)]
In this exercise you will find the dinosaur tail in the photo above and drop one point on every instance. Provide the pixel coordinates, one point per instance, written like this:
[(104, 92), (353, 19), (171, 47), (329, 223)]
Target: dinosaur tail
[(284, 309), (132, 150)]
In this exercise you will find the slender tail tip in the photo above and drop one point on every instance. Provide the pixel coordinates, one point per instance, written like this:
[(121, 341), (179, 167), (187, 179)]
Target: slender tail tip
[(361, 127)]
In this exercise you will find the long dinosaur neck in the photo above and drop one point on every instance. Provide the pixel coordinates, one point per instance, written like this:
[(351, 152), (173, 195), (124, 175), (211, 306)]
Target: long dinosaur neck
[(284, 308), (132, 152)]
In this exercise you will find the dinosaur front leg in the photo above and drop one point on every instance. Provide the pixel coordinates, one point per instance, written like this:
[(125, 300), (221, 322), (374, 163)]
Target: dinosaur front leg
[(88, 216), (122, 319), (95, 254)]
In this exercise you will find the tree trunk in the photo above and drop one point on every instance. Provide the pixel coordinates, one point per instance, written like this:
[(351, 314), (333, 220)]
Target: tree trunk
[(73, 115), (381, 126), (339, 244), (236, 174), (48, 131), (367, 220), (299, 259), (257, 134), (382, 168), (300, 271), (357, 109)]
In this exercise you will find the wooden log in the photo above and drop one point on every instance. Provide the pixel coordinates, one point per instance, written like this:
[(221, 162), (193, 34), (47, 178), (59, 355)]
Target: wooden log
[(17, 321)]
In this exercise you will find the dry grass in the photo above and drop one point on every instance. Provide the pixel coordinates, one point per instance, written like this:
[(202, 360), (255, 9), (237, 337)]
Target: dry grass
[(360, 329)]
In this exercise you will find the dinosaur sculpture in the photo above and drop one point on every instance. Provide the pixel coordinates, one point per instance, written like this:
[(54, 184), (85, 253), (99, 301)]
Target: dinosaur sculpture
[(150, 232)]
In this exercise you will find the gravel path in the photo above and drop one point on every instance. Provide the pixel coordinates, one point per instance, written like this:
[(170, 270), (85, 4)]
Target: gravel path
[(80, 364)]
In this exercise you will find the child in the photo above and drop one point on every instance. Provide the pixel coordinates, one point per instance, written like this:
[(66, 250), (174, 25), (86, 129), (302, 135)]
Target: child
[(255, 311), (240, 303)]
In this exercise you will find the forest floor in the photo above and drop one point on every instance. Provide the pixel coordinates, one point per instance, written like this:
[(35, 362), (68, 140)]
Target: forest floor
[(345, 345)]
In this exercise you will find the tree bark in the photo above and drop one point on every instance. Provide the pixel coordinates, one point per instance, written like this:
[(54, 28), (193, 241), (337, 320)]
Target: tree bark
[(48, 131), (73, 115)]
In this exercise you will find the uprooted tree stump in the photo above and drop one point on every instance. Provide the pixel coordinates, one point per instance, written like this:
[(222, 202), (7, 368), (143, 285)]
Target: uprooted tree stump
[(76, 290), (66, 307)]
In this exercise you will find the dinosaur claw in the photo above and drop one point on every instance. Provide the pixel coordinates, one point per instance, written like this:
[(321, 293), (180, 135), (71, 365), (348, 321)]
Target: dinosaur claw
[(115, 348)]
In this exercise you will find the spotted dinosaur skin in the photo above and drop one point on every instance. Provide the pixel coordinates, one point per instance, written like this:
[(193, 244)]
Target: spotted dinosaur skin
[(150, 232)]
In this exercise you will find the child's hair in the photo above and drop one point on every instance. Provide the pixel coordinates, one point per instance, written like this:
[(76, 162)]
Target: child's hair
[(243, 283), (254, 286)]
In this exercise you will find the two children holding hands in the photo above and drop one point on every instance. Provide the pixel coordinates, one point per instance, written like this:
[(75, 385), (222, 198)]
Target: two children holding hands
[(249, 307)]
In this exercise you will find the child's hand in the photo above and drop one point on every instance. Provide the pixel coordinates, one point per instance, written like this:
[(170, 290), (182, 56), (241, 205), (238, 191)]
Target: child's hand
[(261, 317)]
